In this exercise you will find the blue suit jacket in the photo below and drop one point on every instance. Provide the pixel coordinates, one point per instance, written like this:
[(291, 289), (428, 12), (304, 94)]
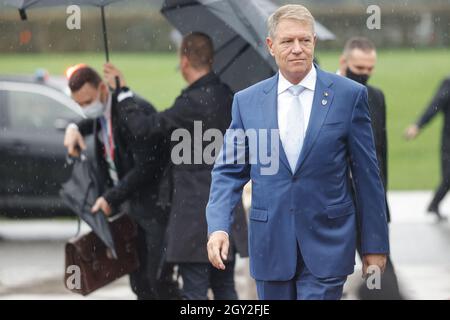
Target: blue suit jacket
[(313, 207)]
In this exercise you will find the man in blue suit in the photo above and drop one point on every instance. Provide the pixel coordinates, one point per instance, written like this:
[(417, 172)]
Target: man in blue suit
[(303, 223)]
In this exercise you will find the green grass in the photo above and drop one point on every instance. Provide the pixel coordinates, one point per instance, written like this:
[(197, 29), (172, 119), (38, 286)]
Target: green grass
[(153, 76), (408, 78)]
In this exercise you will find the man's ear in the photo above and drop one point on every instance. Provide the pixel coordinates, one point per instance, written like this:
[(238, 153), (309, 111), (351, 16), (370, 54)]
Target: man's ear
[(184, 62), (342, 65), (104, 91), (103, 86), (269, 43)]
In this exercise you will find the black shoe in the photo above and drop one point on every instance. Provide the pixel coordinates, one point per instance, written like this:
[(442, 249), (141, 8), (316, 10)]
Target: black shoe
[(435, 210)]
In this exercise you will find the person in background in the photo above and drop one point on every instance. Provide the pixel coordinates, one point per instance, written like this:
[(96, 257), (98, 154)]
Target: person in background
[(131, 173), (358, 62), (439, 103), (207, 102)]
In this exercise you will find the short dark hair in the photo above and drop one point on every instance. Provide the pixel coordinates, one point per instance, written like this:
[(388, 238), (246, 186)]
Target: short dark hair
[(82, 76), (360, 43), (199, 49)]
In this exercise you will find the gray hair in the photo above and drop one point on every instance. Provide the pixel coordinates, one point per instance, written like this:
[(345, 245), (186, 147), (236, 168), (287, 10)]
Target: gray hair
[(290, 11)]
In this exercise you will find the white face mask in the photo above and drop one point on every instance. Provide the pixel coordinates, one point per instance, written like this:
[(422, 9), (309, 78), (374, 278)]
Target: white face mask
[(94, 110)]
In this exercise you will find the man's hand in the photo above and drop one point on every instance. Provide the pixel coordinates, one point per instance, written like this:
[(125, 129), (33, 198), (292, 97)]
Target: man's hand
[(412, 132), (374, 260), (103, 205), (218, 246), (73, 140), (110, 72)]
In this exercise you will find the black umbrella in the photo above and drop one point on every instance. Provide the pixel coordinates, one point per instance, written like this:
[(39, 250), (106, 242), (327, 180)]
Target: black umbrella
[(238, 29), (22, 5), (80, 194)]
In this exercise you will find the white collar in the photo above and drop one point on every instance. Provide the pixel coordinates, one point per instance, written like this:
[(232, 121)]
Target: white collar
[(308, 82)]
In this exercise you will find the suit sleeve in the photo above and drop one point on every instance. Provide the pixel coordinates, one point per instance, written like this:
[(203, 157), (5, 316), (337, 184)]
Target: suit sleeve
[(86, 127), (384, 142), (145, 125), (147, 164), (440, 101), (228, 178), (370, 194)]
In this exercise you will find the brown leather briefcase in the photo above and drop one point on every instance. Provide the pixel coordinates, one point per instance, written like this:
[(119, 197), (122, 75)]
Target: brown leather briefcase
[(89, 264)]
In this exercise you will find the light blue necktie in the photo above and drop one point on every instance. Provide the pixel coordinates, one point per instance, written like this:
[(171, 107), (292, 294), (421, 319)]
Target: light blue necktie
[(293, 136)]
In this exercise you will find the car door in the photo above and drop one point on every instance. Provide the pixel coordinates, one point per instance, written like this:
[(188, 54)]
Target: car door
[(11, 180), (33, 143)]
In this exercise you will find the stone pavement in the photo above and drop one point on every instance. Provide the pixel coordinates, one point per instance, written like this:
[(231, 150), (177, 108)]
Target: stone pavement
[(32, 259)]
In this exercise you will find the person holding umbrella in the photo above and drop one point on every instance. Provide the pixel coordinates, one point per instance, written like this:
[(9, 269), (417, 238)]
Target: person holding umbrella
[(207, 100), (130, 172)]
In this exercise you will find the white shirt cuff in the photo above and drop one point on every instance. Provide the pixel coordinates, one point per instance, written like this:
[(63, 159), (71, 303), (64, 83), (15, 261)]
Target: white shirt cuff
[(72, 126)]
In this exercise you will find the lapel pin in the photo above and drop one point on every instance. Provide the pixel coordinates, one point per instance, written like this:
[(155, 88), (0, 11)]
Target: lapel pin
[(324, 102)]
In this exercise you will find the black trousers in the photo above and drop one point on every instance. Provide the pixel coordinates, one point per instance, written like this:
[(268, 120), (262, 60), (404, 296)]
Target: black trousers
[(199, 277), (444, 187), (389, 284), (154, 278)]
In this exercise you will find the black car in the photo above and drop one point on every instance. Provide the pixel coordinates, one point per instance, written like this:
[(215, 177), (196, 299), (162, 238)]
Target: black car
[(34, 112)]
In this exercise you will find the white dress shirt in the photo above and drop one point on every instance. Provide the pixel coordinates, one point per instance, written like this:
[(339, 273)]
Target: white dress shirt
[(106, 133), (285, 99)]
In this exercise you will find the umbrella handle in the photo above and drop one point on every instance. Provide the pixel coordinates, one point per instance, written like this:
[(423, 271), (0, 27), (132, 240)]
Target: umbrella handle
[(105, 34), (23, 14)]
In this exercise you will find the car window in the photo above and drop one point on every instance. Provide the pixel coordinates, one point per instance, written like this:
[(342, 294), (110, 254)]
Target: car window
[(35, 111)]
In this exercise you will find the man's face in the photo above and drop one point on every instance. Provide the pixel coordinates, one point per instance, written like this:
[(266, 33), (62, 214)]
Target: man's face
[(359, 62), (88, 94), (293, 48)]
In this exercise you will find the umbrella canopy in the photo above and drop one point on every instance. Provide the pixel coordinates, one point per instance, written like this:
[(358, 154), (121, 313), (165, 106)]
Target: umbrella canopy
[(80, 194), (238, 29), (22, 5)]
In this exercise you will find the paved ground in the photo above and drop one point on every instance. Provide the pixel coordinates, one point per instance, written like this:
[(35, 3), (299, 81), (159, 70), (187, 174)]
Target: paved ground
[(31, 256)]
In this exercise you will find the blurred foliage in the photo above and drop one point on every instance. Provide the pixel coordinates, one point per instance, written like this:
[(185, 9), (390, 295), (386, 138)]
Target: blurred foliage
[(138, 26)]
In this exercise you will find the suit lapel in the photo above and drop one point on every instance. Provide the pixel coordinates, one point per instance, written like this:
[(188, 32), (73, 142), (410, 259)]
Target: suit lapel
[(269, 105), (323, 99)]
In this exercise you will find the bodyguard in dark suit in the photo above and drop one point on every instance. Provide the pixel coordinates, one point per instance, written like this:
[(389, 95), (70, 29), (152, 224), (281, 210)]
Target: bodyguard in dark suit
[(440, 103), (357, 63), (205, 104), (131, 172)]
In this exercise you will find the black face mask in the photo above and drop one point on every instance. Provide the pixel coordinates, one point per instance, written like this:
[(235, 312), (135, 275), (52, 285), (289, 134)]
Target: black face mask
[(360, 78)]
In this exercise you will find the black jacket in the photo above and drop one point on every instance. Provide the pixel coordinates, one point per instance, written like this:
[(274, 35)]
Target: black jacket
[(377, 110), (140, 167), (440, 103), (207, 100)]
